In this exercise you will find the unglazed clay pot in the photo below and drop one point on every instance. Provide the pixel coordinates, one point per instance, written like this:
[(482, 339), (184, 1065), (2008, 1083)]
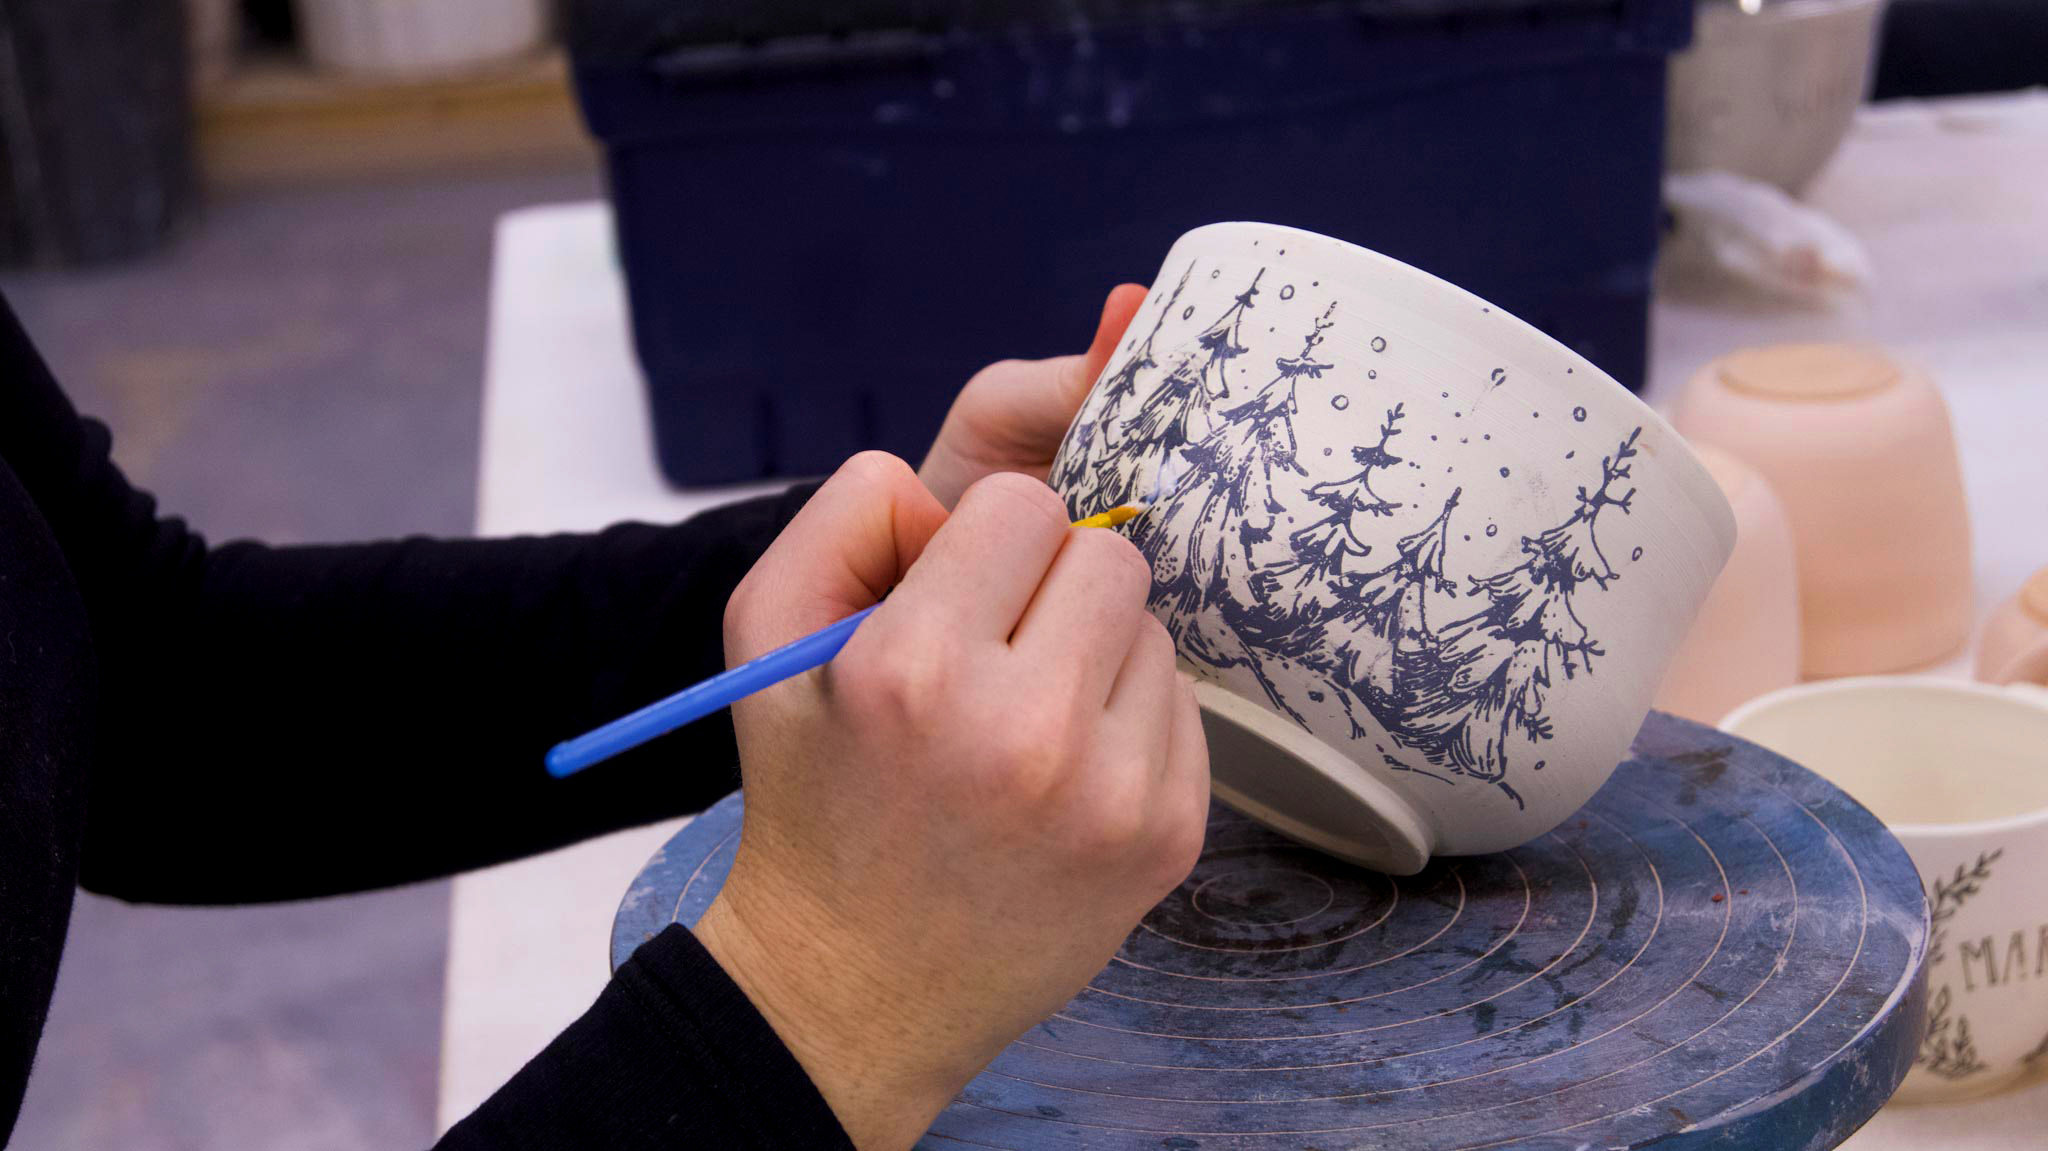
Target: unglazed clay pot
[(1959, 771), (2015, 644), (1858, 449), (1426, 563), (1746, 639)]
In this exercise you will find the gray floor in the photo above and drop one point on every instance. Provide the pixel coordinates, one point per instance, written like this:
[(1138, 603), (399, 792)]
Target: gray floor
[(304, 365)]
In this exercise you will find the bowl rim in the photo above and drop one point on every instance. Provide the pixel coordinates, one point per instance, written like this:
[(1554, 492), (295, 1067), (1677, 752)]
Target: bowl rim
[(1695, 481), (2019, 694)]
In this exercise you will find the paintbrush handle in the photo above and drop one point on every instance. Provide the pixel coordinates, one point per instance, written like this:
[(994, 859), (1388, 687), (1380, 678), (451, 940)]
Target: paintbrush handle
[(697, 701), (729, 687)]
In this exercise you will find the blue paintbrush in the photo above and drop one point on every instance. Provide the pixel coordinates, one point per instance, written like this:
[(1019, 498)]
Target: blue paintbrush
[(728, 687)]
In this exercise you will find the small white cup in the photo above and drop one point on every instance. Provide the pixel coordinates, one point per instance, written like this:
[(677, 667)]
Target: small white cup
[(1428, 563), (1960, 773)]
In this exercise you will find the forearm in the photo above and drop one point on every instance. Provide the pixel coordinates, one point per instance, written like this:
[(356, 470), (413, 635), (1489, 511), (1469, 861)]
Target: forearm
[(298, 721), (672, 1055)]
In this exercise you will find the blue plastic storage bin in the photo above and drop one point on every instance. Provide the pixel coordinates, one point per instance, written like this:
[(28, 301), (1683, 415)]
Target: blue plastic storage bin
[(829, 219)]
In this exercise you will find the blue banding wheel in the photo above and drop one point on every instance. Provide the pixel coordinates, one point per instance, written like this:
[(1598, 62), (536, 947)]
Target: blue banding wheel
[(1721, 950)]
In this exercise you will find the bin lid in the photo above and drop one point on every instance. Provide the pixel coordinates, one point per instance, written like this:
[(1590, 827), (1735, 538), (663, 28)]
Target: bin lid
[(635, 29)]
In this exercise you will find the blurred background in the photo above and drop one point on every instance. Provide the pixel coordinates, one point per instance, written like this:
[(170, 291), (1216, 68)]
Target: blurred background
[(337, 269)]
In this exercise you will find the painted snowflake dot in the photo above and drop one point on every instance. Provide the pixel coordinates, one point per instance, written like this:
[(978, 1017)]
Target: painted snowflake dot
[(1370, 374), (1187, 311), (1503, 473), (1215, 273), (1579, 414), (1340, 402), (1492, 529), (1636, 554), (1326, 451), (1379, 343), (1287, 291)]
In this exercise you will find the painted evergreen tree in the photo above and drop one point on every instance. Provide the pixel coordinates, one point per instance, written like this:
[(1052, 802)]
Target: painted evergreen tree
[(1176, 411), (1392, 602), (1481, 694), (1095, 429), (1378, 627), (1332, 547), (1229, 484), (1226, 497)]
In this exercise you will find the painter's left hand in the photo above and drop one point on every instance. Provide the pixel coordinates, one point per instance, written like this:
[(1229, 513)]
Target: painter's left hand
[(1011, 416)]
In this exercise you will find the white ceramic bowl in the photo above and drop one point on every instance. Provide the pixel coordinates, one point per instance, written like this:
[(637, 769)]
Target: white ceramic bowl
[(1429, 564), (1769, 94), (418, 37), (1960, 773)]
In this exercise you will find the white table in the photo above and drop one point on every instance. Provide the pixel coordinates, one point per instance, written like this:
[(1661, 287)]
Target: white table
[(565, 448), (1948, 197)]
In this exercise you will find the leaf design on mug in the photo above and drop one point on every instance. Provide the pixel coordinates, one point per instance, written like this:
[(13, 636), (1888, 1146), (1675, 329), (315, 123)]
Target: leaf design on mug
[(1949, 896), (1948, 1051)]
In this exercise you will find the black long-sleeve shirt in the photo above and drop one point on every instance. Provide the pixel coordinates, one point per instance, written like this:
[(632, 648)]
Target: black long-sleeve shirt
[(182, 723)]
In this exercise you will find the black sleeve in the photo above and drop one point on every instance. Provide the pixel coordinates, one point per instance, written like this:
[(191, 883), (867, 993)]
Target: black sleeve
[(670, 1017), (285, 722)]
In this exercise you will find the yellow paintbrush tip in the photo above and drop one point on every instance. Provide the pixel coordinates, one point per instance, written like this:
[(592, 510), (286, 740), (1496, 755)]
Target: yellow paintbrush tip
[(1110, 518)]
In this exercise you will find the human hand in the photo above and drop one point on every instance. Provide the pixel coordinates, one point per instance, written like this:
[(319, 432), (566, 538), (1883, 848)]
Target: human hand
[(953, 825), (1012, 415)]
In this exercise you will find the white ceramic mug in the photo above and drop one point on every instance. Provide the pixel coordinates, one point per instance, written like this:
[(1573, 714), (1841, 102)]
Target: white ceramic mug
[(1960, 772), (1404, 536)]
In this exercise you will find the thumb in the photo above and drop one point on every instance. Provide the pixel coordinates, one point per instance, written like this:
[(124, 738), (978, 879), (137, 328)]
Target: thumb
[(850, 544)]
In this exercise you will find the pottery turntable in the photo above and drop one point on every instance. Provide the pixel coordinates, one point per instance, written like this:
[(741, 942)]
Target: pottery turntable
[(1720, 950)]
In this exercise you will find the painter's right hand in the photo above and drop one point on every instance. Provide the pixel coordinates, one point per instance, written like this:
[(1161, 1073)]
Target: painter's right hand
[(952, 826)]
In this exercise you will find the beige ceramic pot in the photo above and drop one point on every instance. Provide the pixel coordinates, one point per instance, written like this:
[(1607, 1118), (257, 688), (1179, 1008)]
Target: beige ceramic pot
[(1858, 448), (1746, 639), (2015, 644), (1959, 771)]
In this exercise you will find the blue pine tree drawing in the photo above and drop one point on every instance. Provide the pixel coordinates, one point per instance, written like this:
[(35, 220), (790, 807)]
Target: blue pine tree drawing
[(1473, 696), (1228, 498), (1376, 633), (1095, 429), (1320, 631), (1176, 412), (1332, 547), (1229, 481)]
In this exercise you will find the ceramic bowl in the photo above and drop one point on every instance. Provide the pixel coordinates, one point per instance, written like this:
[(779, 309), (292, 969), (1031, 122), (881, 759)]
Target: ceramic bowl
[(1769, 94), (1427, 564), (1960, 772), (1858, 449), (1746, 639), (2014, 648)]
